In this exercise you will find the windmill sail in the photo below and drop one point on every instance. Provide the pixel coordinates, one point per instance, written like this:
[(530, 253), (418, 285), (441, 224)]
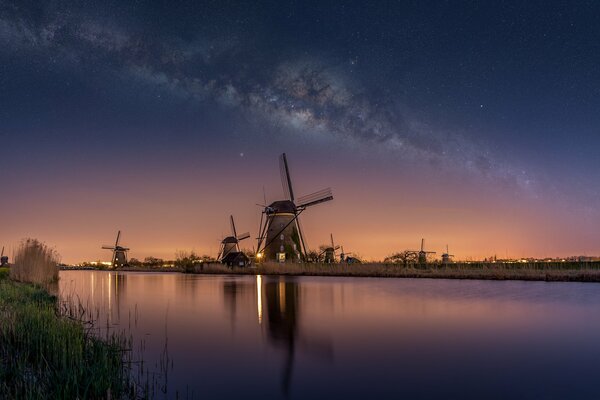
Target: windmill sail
[(286, 180), (315, 198)]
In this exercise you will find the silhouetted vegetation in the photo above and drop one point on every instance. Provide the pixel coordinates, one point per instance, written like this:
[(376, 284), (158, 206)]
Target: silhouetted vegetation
[(34, 262), (45, 355), (576, 271)]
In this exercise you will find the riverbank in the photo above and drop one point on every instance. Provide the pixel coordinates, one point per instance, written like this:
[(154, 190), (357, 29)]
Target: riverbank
[(555, 272), (47, 354), (551, 272)]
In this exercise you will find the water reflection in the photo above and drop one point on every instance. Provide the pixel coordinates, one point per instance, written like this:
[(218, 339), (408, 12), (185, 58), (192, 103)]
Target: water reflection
[(282, 300), (274, 337)]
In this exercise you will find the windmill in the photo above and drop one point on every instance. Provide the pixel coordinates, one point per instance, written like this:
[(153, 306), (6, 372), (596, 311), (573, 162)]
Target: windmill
[(422, 254), (329, 252), (349, 258), (3, 259), (230, 252), (280, 234), (446, 257), (119, 258)]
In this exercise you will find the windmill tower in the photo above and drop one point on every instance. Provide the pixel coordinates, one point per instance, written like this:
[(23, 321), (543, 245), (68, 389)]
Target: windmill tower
[(423, 254), (329, 252), (280, 235), (447, 257), (230, 245), (3, 259), (119, 258)]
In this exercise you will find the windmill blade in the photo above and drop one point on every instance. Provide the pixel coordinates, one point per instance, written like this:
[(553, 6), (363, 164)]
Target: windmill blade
[(233, 231), (332, 245), (337, 248), (422, 244), (301, 234), (118, 237), (2, 254), (243, 236), (108, 247), (286, 181), (315, 198)]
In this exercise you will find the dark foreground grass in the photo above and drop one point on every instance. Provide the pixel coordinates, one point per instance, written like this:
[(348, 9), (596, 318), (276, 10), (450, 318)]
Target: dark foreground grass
[(566, 272), (44, 355)]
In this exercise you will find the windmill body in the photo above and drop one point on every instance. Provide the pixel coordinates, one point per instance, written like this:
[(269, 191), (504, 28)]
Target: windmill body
[(119, 258), (280, 237), (283, 232)]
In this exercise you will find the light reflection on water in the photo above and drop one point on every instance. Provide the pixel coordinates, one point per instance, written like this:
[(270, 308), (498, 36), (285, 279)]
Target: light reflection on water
[(311, 337)]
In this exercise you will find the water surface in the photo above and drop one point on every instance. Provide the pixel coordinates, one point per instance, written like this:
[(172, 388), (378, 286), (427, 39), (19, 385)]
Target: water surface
[(353, 338)]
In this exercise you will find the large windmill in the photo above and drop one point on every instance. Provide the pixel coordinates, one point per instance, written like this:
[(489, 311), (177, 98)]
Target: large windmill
[(447, 257), (119, 258), (328, 253), (230, 246), (280, 235), (3, 259), (422, 254)]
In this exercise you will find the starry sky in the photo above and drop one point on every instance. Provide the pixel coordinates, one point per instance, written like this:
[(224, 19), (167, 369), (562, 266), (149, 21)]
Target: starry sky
[(472, 124)]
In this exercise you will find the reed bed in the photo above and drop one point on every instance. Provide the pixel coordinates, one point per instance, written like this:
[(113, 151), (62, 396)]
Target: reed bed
[(574, 272), (47, 356), (34, 262)]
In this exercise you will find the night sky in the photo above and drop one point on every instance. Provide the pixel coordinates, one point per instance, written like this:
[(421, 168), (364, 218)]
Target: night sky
[(472, 124)]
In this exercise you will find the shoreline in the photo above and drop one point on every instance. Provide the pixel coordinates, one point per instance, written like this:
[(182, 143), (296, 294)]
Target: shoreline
[(545, 272)]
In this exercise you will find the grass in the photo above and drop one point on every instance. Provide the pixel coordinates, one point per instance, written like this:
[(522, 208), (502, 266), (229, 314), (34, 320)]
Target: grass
[(34, 262), (575, 271), (50, 350)]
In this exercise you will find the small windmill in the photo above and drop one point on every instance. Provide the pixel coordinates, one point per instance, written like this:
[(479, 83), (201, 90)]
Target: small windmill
[(3, 259), (349, 258), (447, 257), (119, 258), (329, 252), (280, 235), (422, 254), (230, 246)]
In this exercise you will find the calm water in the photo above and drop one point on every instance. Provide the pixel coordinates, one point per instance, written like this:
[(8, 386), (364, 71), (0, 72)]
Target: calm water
[(354, 338)]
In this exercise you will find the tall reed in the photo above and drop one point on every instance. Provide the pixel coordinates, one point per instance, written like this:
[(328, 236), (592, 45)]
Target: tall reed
[(34, 262)]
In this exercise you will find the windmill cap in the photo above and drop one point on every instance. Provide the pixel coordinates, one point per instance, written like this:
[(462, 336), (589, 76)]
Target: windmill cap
[(230, 239), (283, 206)]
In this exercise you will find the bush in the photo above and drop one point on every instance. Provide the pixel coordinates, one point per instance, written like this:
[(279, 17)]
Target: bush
[(34, 262)]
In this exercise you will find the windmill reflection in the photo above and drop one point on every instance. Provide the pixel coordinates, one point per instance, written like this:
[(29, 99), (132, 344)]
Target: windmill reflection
[(116, 285), (282, 301), (278, 305)]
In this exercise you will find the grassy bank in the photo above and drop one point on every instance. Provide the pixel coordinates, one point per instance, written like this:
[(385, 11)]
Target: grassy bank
[(45, 355), (568, 272)]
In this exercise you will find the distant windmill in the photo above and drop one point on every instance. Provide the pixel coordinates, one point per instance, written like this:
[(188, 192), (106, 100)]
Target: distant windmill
[(447, 257), (329, 252), (422, 254), (230, 245), (119, 258), (280, 235), (349, 258), (3, 259)]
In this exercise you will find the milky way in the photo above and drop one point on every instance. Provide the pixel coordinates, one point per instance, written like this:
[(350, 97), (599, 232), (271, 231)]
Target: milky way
[(300, 95)]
